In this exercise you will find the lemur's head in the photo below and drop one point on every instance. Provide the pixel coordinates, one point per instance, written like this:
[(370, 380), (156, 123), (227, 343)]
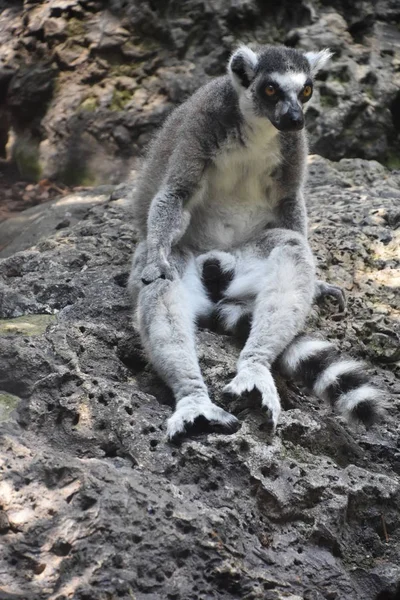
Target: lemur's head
[(276, 82)]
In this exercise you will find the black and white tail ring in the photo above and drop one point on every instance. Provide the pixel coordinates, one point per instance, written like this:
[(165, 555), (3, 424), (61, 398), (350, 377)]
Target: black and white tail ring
[(342, 382)]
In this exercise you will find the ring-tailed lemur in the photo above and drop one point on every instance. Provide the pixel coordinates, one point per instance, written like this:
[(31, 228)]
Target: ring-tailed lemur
[(221, 213)]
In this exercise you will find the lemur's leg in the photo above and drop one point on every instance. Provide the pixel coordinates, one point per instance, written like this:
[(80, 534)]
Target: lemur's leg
[(218, 269), (278, 272), (167, 311)]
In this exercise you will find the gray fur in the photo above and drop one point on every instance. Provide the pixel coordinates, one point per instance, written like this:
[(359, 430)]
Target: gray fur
[(223, 181)]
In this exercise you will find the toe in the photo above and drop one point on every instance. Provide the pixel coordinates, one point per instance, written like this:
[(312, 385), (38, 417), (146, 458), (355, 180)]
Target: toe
[(205, 419), (175, 426), (339, 295), (231, 426), (224, 427), (271, 414), (229, 391)]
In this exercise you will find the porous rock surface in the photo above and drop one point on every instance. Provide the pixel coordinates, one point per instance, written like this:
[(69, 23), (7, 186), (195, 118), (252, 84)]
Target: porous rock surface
[(84, 83), (95, 504)]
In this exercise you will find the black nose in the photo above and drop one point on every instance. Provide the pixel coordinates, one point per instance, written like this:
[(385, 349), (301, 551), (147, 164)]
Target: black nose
[(292, 120)]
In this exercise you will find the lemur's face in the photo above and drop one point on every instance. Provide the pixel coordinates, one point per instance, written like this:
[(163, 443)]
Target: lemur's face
[(281, 98), (276, 83)]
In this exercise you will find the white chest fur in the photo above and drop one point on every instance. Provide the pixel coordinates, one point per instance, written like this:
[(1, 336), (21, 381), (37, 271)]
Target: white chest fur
[(239, 194), (242, 172)]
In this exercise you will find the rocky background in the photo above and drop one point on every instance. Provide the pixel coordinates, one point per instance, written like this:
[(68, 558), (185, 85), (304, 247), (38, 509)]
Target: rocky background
[(84, 83), (94, 504)]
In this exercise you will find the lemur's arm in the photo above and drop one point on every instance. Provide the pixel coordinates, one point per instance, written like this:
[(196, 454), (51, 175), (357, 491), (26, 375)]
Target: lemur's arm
[(292, 214), (168, 218), (167, 222)]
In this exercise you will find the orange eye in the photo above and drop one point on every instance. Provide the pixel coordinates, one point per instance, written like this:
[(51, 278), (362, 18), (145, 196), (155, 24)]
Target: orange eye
[(270, 90), (307, 91)]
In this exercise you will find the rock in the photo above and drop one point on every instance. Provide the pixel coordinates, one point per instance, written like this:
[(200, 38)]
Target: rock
[(34, 224), (4, 522), (99, 504), (70, 55), (55, 28), (27, 325), (8, 403), (88, 124), (28, 92), (6, 74)]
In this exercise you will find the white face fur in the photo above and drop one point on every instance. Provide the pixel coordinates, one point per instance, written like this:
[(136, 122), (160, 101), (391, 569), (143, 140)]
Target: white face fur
[(275, 83), (289, 82)]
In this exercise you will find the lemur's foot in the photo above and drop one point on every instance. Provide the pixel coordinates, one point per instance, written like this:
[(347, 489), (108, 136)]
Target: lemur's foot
[(197, 415), (215, 279), (323, 289), (257, 379)]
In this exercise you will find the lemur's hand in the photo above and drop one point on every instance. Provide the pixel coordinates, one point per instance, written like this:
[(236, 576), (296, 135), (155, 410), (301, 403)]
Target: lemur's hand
[(156, 268), (323, 289)]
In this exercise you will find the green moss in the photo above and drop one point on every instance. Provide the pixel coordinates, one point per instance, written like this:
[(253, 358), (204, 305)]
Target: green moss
[(8, 403), (295, 452), (342, 75), (78, 175), (90, 104), (144, 45), (26, 325), (369, 91), (87, 179), (392, 160), (328, 101), (75, 27), (123, 70), (120, 99), (57, 84), (26, 156)]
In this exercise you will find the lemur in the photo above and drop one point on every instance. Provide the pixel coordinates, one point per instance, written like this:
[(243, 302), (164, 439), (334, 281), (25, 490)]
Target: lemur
[(223, 227)]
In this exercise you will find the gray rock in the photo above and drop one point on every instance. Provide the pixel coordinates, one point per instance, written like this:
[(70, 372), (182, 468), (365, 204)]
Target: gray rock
[(98, 505), (117, 69), (34, 224)]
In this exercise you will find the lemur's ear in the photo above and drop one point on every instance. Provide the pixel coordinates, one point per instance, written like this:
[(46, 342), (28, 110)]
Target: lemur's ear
[(317, 60), (242, 66)]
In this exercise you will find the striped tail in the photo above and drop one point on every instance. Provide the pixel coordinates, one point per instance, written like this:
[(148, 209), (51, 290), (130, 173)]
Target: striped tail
[(340, 381)]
